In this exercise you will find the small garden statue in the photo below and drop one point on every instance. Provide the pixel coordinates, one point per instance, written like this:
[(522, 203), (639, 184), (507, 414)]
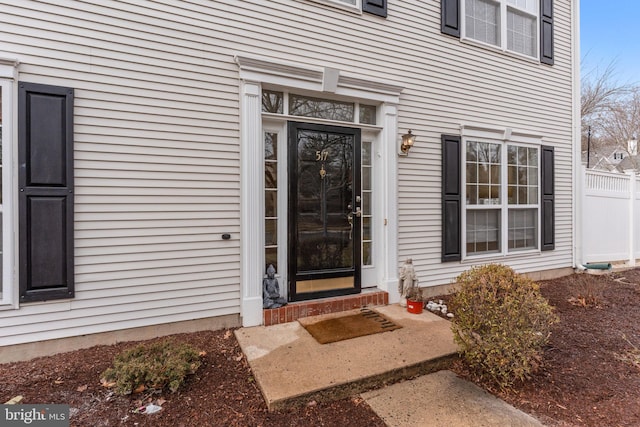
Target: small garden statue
[(271, 290), (408, 281)]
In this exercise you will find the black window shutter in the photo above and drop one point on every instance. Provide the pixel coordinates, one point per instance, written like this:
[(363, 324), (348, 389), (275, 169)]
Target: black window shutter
[(375, 7), (548, 199), (450, 17), (451, 199), (546, 31), (45, 179)]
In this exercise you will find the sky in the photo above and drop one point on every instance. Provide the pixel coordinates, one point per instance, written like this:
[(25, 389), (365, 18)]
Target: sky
[(610, 32)]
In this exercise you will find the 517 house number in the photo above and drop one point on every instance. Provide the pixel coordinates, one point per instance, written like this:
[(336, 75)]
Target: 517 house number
[(322, 156)]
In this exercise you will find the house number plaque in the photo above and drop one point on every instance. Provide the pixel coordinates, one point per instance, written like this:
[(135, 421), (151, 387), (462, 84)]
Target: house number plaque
[(322, 156)]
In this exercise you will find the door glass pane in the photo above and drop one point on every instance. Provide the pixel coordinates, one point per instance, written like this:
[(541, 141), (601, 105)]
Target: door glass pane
[(324, 198)]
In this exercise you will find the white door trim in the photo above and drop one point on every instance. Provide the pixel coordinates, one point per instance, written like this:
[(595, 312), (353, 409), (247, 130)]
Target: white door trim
[(254, 72)]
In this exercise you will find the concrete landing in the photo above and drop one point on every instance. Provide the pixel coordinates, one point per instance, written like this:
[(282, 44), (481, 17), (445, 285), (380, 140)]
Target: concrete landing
[(442, 399), (291, 368)]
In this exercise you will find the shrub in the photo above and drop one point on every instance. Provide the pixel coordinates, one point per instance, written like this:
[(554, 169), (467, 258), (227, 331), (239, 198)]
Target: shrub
[(587, 290), (502, 323), (164, 364)]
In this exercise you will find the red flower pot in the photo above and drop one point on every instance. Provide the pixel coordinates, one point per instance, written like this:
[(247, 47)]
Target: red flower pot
[(414, 307)]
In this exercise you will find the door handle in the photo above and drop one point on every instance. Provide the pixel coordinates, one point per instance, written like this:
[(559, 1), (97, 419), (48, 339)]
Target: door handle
[(357, 212)]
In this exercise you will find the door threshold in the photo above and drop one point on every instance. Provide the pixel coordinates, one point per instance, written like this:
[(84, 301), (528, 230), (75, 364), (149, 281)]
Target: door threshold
[(297, 310)]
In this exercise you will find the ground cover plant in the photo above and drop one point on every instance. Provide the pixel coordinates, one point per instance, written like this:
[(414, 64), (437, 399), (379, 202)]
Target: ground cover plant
[(153, 366), (589, 377)]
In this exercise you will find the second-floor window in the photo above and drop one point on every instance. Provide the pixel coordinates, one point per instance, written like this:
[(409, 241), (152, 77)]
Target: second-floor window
[(510, 25)]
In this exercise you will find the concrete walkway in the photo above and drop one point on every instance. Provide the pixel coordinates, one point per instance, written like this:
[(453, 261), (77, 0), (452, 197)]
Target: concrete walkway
[(292, 369), (442, 399)]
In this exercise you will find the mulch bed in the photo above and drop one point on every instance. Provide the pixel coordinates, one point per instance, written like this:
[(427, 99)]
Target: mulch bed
[(591, 375)]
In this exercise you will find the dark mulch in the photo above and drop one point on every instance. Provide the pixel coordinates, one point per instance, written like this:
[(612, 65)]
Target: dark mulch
[(591, 375)]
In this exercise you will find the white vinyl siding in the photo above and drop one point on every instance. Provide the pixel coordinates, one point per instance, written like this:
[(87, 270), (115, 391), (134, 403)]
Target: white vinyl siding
[(157, 152)]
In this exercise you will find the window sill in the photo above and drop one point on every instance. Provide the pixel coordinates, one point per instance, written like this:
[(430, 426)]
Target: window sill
[(338, 5), (497, 49), (473, 259), (5, 306)]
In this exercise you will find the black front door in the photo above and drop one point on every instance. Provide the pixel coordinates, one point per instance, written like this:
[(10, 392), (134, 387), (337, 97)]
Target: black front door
[(324, 211)]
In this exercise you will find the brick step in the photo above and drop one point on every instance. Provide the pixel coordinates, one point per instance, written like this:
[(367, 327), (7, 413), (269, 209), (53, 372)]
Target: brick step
[(296, 310)]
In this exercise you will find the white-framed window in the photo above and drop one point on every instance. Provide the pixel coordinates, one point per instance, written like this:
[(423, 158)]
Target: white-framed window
[(510, 25), (502, 197), (7, 291), (353, 5)]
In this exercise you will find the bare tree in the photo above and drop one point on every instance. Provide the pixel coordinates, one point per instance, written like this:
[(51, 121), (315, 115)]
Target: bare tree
[(621, 123), (600, 95)]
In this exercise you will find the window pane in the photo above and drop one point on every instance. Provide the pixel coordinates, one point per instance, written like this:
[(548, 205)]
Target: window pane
[(512, 194), (522, 175), (368, 114), (271, 257), (472, 173), (366, 153), (512, 155), (521, 32), (366, 228), (270, 146), (482, 21), (472, 195), (271, 232), (272, 102), (270, 174), (472, 148), (533, 176), (366, 203), (483, 231), (271, 203), (523, 229), (366, 178), (366, 253), (483, 167), (321, 108)]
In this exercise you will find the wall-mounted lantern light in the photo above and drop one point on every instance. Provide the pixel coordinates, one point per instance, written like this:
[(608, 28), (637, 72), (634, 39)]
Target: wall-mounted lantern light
[(407, 142)]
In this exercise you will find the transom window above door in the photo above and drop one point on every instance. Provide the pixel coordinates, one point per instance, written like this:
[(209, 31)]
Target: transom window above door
[(319, 108)]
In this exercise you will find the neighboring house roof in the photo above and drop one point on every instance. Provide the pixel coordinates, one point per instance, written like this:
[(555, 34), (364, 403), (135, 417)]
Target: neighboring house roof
[(611, 158)]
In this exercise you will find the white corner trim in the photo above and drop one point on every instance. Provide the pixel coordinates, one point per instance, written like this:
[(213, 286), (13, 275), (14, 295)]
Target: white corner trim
[(9, 68), (292, 75)]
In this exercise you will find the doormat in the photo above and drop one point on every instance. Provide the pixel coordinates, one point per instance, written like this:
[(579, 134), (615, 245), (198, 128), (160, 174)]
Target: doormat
[(363, 322)]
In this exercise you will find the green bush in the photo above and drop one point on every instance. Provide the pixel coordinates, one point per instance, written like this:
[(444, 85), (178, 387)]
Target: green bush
[(502, 323), (164, 364)]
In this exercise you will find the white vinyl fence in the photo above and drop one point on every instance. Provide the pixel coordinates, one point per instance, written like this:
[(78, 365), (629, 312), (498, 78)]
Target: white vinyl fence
[(611, 217)]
